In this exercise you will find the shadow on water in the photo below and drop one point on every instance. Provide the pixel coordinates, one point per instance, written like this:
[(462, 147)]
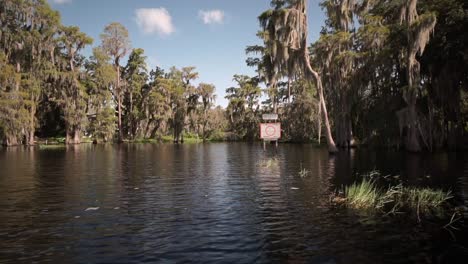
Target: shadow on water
[(211, 203)]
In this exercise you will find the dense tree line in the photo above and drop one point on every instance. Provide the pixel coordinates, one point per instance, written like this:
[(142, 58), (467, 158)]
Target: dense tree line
[(48, 88), (392, 73), (386, 73)]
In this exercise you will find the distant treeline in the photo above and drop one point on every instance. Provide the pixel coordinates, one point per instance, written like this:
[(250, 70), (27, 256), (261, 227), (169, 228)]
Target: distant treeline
[(49, 89)]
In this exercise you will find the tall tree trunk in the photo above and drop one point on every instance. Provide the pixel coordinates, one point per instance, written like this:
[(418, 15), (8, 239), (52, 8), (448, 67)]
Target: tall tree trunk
[(67, 135), (412, 140), (176, 127), (343, 126), (147, 127), (119, 106), (52, 55), (76, 136), (73, 135), (204, 132), (331, 143), (274, 96), (11, 140), (18, 79), (412, 71), (320, 123), (131, 119), (31, 132), (155, 130), (351, 140), (73, 131), (417, 37), (205, 117)]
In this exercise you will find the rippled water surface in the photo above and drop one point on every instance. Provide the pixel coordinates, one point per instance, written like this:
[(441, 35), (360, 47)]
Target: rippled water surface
[(211, 203)]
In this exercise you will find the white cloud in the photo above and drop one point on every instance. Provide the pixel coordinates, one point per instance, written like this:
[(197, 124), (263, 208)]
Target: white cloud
[(154, 20), (59, 2), (211, 16)]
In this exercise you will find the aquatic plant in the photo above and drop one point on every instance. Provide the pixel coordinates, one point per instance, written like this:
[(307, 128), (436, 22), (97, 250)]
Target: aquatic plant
[(304, 173), (427, 200), (366, 195)]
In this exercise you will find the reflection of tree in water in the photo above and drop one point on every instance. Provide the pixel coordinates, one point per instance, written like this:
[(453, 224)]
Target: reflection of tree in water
[(268, 165)]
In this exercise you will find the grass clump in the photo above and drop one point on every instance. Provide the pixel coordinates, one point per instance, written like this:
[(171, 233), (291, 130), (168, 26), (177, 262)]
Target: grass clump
[(364, 195), (367, 196), (425, 200)]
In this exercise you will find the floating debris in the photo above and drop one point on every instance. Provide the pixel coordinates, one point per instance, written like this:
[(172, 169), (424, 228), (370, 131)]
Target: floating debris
[(92, 208), (294, 188)]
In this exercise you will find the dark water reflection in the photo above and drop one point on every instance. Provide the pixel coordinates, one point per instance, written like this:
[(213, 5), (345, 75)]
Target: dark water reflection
[(213, 203)]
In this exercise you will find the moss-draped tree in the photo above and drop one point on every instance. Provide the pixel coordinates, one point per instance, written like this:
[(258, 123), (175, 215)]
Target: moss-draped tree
[(115, 41), (287, 27)]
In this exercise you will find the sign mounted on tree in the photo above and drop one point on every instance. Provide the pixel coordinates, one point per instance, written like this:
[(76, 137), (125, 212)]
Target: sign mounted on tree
[(270, 131)]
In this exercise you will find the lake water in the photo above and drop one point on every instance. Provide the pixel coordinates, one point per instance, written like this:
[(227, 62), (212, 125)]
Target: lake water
[(212, 203)]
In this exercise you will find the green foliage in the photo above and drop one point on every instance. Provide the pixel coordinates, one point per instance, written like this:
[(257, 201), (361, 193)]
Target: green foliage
[(426, 199), (217, 125), (362, 195), (135, 76), (243, 110), (365, 56), (206, 117), (367, 196), (368, 77), (28, 31), (14, 116), (299, 119), (101, 76), (115, 41), (116, 44), (71, 93), (102, 128), (217, 136)]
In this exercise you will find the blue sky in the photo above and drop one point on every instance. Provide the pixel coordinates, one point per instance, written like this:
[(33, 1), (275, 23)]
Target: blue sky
[(208, 34)]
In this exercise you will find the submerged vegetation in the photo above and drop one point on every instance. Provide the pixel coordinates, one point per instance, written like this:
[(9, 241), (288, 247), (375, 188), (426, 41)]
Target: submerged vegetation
[(367, 196), (303, 172), (269, 163)]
